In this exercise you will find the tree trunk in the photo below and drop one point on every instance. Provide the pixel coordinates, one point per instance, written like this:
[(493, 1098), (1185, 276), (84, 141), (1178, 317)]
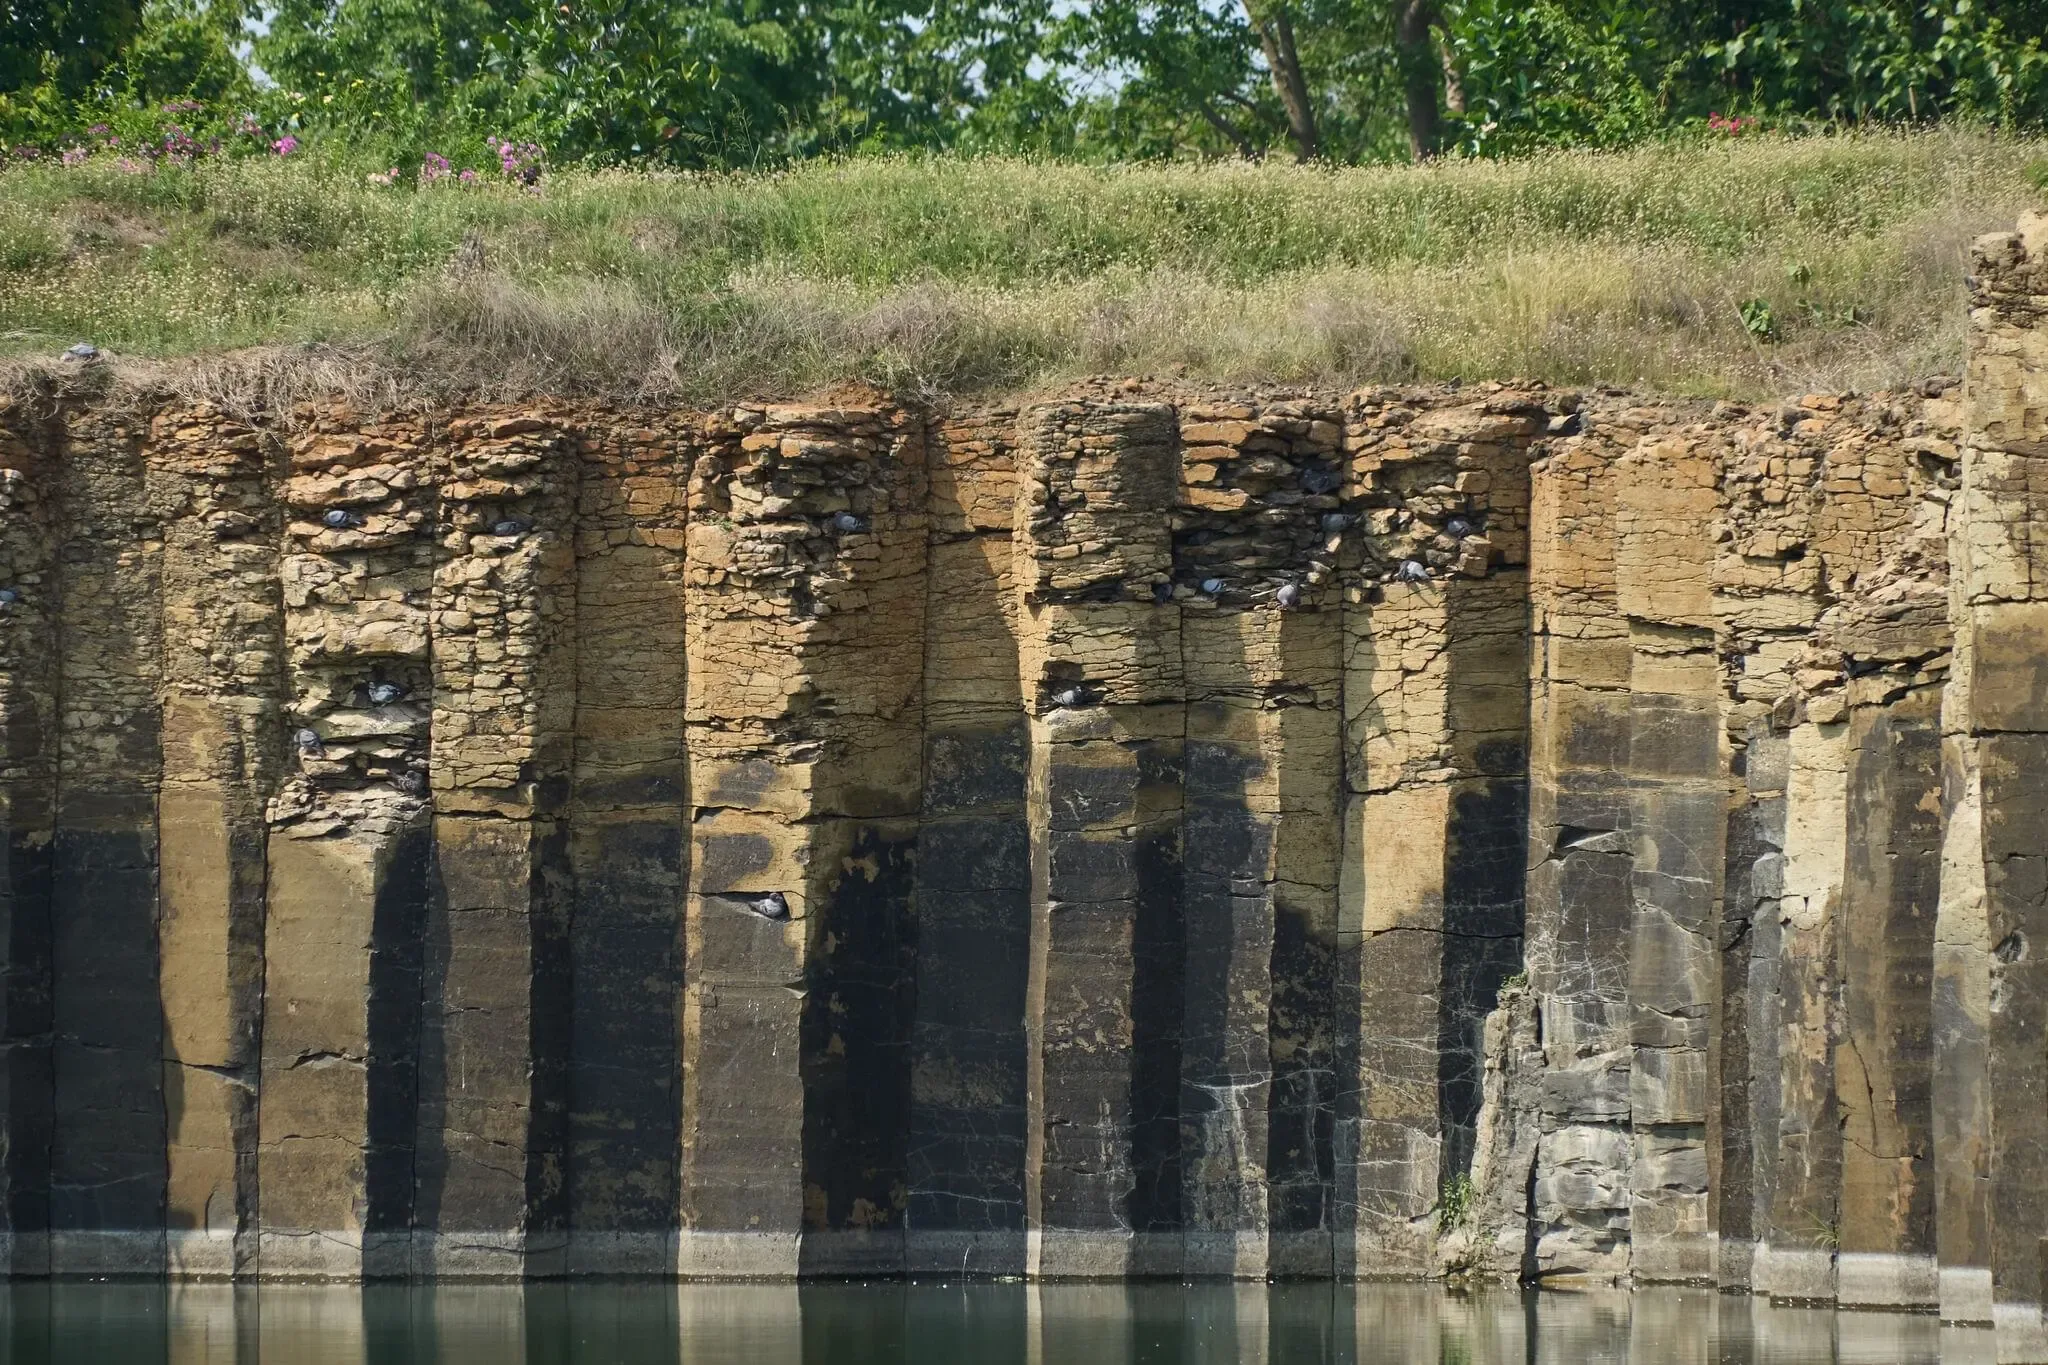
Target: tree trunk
[(1454, 78), (1419, 75), (1276, 39)]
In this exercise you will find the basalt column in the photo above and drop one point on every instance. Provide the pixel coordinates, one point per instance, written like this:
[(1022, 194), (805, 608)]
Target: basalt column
[(2001, 722), (28, 789), (224, 741), (493, 1118), (350, 844), (1260, 630), (967, 1109), (1436, 716), (806, 635), (1581, 907), (107, 1153), (1666, 505), (1102, 671), (627, 843)]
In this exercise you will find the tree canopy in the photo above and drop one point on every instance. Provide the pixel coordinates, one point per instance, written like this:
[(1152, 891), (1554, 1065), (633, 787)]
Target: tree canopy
[(719, 83)]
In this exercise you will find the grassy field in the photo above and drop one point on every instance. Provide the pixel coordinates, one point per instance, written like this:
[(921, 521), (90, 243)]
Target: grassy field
[(1748, 268)]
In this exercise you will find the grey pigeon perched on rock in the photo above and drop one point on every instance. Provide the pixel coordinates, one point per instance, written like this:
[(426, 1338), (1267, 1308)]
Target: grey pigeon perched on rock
[(384, 693), (1459, 527), (81, 350), (412, 782), (1334, 522), (846, 523), (771, 906), (1067, 696), (1289, 595), (510, 526), (1162, 592), (8, 597), (1212, 586), (1320, 479), (1411, 571), (307, 740), (340, 519)]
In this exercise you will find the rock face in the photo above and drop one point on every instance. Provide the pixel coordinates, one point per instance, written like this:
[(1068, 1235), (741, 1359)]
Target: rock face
[(1155, 829)]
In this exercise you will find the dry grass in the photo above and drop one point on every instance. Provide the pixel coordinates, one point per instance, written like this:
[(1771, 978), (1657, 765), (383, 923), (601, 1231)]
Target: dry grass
[(962, 277)]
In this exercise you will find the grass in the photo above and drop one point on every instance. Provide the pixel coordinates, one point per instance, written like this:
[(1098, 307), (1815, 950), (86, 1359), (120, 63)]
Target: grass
[(1747, 268)]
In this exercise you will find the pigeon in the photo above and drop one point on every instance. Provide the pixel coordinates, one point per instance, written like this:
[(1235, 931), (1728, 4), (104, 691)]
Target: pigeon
[(1069, 696), (1320, 479), (340, 519), (307, 740), (8, 597), (1458, 527), (384, 693), (846, 523), (1213, 586), (1162, 592), (1334, 523), (412, 782), (771, 906), (1289, 596), (81, 350), (1411, 571), (510, 526)]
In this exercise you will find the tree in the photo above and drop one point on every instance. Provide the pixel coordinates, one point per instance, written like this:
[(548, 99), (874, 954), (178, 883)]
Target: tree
[(69, 43)]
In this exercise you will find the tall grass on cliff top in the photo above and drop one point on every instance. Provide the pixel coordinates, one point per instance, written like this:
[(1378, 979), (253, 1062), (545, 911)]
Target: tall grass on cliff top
[(1750, 266)]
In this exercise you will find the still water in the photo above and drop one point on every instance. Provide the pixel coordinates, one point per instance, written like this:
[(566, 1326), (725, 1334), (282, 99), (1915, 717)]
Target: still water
[(601, 1323)]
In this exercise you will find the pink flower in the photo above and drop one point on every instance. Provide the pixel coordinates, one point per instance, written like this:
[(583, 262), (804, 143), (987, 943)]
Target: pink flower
[(74, 155), (467, 178), (434, 167), (285, 145)]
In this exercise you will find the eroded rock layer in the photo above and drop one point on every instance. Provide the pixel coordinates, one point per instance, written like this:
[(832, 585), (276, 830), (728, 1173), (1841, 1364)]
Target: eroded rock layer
[(1148, 829)]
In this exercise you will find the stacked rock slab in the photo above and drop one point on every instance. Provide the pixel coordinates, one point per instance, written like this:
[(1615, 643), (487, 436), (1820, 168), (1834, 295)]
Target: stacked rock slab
[(1149, 828)]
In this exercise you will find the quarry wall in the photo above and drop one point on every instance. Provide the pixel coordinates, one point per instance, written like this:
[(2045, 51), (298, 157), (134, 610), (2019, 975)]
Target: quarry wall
[(1148, 829)]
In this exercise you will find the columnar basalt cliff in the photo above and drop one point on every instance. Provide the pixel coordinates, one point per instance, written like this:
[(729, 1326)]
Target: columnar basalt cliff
[(1149, 829)]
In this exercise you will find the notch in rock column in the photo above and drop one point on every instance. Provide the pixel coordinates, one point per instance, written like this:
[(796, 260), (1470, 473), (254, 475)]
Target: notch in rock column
[(1102, 662)]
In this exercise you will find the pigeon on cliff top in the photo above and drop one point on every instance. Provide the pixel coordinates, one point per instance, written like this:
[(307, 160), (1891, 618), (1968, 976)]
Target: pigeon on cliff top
[(1458, 527), (1213, 586), (771, 906), (1321, 479), (340, 519), (384, 693), (1334, 522), (412, 782), (307, 740), (1068, 696), (1412, 571), (847, 524), (1289, 596), (81, 350), (510, 526)]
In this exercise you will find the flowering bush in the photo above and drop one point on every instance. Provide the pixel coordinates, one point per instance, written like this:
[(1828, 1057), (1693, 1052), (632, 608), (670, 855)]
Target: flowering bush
[(1734, 126), (519, 160), (285, 145)]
